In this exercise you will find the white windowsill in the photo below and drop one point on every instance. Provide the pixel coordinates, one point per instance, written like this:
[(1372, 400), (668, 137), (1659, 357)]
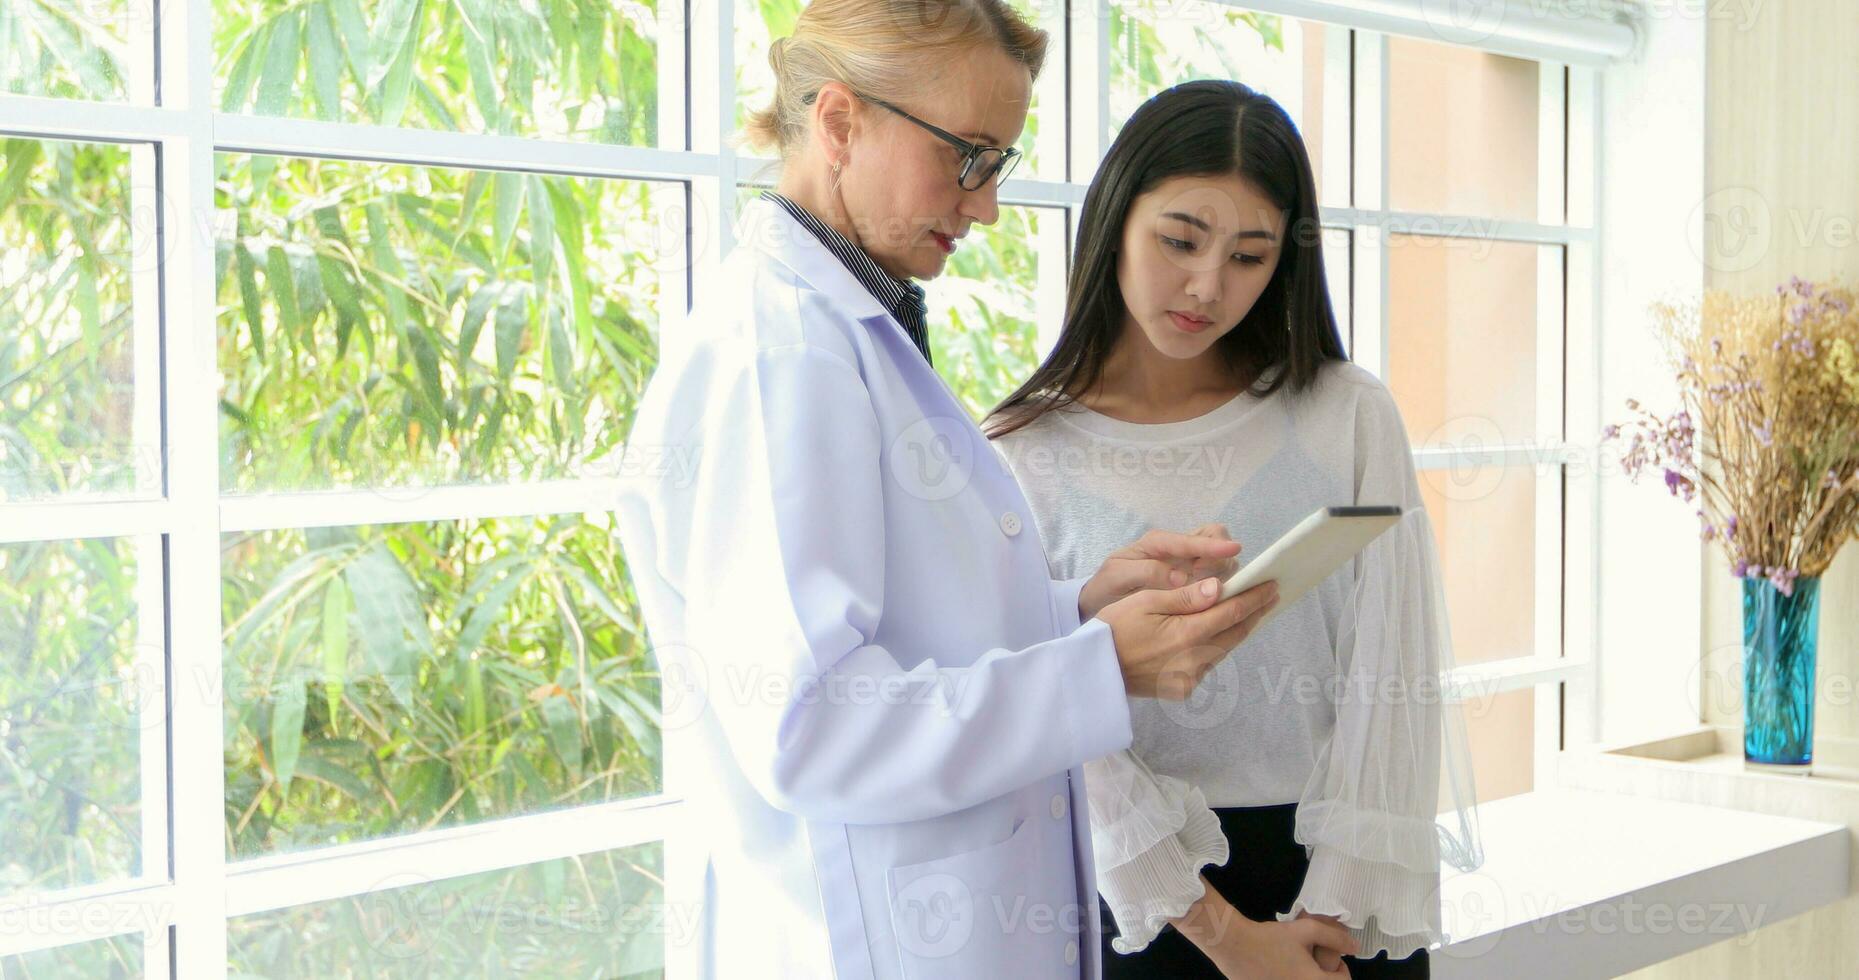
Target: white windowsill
[(1595, 884)]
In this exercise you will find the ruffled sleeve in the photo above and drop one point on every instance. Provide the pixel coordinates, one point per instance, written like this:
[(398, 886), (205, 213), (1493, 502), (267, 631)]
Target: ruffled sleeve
[(1150, 835), (1373, 815)]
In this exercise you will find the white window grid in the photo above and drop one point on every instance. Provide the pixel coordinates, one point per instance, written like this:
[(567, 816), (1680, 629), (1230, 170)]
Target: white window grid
[(188, 890)]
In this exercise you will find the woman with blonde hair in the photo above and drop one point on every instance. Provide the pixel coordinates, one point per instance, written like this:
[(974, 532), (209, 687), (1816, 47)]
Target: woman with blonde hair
[(878, 699)]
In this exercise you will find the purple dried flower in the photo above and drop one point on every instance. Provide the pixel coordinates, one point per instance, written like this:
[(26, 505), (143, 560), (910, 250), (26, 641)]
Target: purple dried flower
[(1741, 568)]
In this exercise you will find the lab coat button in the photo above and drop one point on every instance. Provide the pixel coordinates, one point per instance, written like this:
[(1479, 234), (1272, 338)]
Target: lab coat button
[(1058, 805), (1010, 523), (1071, 952)]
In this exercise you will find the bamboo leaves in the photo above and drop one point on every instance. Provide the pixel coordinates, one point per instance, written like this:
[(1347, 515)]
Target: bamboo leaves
[(557, 69)]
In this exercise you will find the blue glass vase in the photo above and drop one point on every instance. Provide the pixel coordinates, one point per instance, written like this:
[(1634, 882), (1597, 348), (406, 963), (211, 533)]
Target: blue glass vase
[(1779, 640)]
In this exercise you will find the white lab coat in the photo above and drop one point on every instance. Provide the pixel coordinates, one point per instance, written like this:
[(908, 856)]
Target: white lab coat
[(877, 700)]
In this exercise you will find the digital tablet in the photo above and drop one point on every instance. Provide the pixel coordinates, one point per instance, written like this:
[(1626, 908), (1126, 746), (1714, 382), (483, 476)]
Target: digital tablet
[(1309, 552)]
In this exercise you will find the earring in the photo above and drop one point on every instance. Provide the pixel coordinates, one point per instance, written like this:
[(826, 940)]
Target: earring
[(836, 165)]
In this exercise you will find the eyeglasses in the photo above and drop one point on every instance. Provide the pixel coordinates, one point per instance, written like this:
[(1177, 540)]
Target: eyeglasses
[(980, 162)]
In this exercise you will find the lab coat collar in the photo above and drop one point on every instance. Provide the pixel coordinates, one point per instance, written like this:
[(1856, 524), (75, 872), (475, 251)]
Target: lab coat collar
[(770, 229), (779, 237)]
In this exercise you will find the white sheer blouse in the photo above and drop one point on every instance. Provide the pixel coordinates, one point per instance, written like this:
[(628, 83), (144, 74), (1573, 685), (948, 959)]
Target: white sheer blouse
[(1336, 704)]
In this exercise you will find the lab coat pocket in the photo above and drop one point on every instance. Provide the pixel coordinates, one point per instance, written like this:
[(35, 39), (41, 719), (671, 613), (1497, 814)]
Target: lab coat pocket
[(1008, 909)]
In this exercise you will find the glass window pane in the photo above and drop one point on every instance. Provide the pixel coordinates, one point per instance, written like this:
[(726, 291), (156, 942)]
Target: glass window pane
[(1155, 44), (388, 679), (1462, 130), (393, 325), (70, 251), (759, 22), (1484, 524), (70, 715), (115, 958), (76, 49), (1338, 272), (1462, 339), (1500, 734), (596, 915), (985, 309), (557, 69)]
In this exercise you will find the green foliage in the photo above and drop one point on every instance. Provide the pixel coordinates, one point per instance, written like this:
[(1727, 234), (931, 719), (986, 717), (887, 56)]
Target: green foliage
[(984, 324), (70, 791), (1158, 43), (385, 680), (389, 325), (560, 69), (66, 319), (66, 49)]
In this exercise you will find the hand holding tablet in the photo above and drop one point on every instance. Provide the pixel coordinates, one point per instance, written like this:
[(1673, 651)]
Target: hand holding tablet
[(1309, 552)]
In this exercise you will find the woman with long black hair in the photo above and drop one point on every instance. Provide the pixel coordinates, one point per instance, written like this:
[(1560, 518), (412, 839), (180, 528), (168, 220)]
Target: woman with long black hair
[(1200, 377)]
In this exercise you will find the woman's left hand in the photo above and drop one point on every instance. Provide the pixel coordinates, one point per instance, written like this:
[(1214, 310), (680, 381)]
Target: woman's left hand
[(1329, 959), (1159, 560)]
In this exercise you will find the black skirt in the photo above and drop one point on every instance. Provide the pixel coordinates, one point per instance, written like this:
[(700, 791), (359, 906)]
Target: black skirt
[(1261, 879)]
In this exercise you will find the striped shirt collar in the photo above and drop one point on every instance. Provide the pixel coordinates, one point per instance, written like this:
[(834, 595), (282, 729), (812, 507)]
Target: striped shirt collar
[(904, 299)]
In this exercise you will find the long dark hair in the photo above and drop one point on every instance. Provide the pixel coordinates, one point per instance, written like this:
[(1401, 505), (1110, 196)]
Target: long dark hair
[(1201, 128)]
